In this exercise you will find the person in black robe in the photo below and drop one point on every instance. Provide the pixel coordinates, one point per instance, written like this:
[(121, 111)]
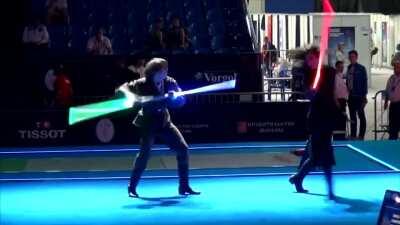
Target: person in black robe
[(324, 114)]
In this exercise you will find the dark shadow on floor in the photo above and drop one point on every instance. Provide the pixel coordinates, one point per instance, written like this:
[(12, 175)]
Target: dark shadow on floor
[(152, 202), (315, 194), (358, 205), (354, 205)]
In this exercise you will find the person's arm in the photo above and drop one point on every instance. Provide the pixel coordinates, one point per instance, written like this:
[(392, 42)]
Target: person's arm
[(45, 36), (92, 48), (365, 84), (183, 38), (174, 101), (109, 46), (161, 39), (386, 94), (365, 81)]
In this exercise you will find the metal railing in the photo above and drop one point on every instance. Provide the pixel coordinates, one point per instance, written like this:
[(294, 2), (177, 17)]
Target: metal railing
[(243, 97), (381, 118)]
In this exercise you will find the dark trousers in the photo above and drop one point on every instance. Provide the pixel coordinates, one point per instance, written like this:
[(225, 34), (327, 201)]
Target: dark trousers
[(356, 108), (174, 139), (394, 120), (308, 166), (306, 154), (316, 157)]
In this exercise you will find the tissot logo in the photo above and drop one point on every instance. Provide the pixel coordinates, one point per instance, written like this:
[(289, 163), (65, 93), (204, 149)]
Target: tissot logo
[(216, 77), (42, 132)]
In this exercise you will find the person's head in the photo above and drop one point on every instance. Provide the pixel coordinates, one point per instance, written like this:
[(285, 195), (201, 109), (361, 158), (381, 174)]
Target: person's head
[(353, 56), (266, 39), (396, 66), (175, 22), (339, 67), (100, 33), (156, 70), (312, 57)]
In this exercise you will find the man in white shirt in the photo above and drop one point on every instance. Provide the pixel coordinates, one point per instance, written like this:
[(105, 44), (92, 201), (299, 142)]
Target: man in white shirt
[(36, 35), (393, 97), (99, 44), (341, 92)]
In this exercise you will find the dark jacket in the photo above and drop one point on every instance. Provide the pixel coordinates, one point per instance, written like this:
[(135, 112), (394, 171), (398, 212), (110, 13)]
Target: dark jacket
[(154, 114), (323, 117), (357, 81)]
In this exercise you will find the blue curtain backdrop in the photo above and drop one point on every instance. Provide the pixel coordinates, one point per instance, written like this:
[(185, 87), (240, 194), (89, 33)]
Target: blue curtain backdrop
[(289, 6)]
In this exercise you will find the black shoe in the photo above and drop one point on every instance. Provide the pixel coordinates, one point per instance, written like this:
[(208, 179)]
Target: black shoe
[(299, 187), (132, 192), (187, 191)]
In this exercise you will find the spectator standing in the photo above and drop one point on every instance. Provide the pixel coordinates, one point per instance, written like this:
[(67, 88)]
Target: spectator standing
[(269, 56), (393, 97), (357, 84)]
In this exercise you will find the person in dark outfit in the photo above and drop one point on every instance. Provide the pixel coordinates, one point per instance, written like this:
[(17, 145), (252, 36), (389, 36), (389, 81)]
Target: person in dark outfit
[(324, 113), (392, 96), (357, 83), (153, 120), (176, 36)]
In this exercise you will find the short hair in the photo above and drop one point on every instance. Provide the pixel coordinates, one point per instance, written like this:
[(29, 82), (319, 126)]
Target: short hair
[(155, 65), (338, 63), (396, 59), (353, 52)]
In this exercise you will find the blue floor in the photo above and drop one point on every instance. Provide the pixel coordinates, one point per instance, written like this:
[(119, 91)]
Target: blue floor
[(233, 200)]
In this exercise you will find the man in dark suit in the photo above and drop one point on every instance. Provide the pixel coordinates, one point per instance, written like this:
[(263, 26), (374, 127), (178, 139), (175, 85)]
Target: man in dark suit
[(153, 120), (357, 83)]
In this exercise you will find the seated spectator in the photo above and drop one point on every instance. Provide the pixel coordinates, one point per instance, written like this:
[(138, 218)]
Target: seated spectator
[(36, 35), (99, 44), (177, 37), (63, 88), (57, 12), (156, 40), (284, 68)]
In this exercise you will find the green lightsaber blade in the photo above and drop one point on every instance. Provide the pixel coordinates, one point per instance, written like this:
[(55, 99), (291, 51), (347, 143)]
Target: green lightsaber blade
[(86, 112)]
